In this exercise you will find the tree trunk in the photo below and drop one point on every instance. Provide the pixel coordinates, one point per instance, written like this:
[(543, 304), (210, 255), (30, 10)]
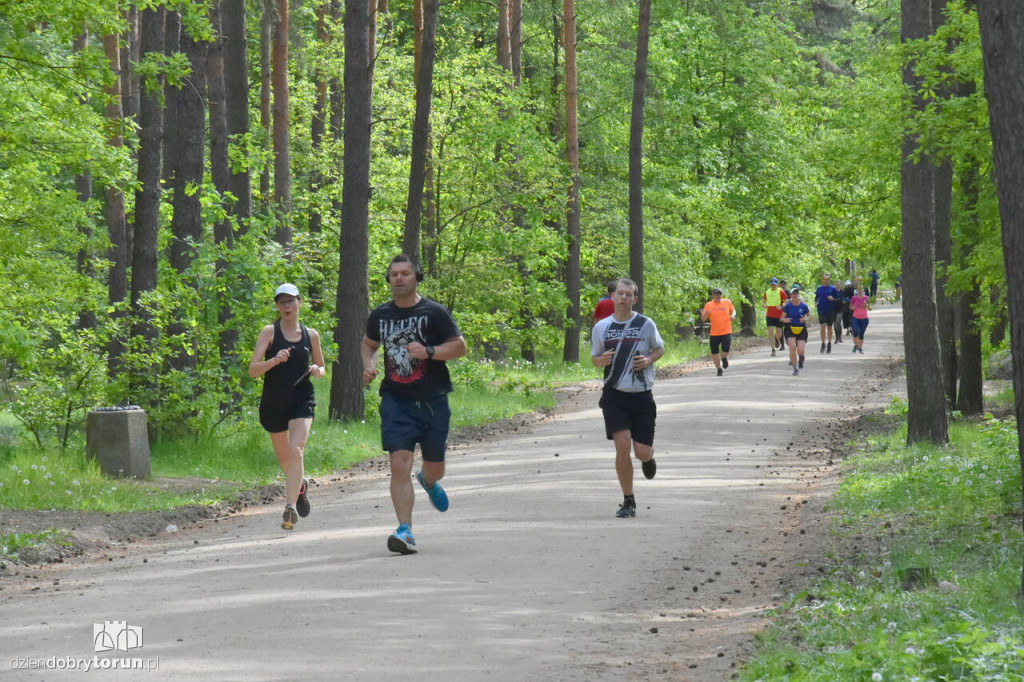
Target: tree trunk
[(353, 297), (421, 127), (266, 40), (236, 100), (130, 54), (636, 153), (927, 418), (970, 396), (172, 42), (515, 40), (117, 278), (185, 125), (1002, 32), (282, 150), (943, 257), (571, 349), (318, 124), (220, 171), (504, 36), (147, 196), (748, 312), (83, 188)]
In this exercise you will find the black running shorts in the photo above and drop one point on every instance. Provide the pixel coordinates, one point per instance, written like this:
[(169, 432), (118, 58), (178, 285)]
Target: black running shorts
[(275, 414), (633, 412)]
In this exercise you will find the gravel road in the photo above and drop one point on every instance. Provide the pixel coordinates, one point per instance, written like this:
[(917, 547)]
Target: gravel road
[(529, 576)]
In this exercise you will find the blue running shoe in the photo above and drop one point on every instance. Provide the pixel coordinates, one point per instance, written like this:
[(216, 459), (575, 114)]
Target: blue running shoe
[(438, 497), (402, 541)]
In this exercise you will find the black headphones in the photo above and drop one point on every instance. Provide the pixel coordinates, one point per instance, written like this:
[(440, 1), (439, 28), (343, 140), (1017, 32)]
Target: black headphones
[(415, 264)]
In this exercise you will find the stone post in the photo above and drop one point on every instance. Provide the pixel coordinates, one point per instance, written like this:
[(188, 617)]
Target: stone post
[(117, 438)]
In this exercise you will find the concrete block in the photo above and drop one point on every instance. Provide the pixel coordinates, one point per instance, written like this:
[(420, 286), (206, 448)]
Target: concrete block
[(118, 439)]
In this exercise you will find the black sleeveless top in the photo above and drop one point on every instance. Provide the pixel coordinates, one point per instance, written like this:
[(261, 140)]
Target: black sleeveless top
[(280, 382)]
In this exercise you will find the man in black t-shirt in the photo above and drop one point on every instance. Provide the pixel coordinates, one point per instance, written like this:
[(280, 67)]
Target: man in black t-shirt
[(418, 336)]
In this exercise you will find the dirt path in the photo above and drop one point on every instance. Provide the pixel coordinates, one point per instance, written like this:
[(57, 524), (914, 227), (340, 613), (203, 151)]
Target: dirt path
[(527, 577)]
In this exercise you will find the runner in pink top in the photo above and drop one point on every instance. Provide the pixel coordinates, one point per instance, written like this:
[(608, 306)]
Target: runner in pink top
[(860, 304)]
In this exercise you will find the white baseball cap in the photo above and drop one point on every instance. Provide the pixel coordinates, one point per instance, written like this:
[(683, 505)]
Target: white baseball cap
[(287, 288)]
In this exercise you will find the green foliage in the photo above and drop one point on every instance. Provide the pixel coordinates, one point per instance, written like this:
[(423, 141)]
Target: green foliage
[(930, 598), (771, 147)]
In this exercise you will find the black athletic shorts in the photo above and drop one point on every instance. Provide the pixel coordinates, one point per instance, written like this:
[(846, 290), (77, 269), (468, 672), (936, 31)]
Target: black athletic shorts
[(633, 412), (407, 421), (788, 332), (275, 414), (826, 318), (773, 321), (724, 341)]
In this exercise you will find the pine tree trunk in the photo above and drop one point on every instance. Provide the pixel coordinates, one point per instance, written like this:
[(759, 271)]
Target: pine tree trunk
[(926, 418), (352, 306), (266, 41), (185, 126), (1002, 39), (220, 171), (83, 189), (236, 99), (282, 149), (421, 128), (571, 348), (147, 196), (117, 229), (636, 153), (970, 399)]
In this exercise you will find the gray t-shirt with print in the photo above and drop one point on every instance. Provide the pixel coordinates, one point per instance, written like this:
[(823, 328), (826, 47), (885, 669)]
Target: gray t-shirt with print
[(637, 335)]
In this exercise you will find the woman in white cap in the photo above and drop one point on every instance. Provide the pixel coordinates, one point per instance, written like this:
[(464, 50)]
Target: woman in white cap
[(287, 355)]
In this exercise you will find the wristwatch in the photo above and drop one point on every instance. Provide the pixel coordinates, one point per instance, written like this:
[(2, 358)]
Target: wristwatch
[(430, 352)]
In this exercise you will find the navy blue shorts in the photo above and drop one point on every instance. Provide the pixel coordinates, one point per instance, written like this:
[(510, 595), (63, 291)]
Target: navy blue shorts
[(404, 422), (275, 414), (860, 325)]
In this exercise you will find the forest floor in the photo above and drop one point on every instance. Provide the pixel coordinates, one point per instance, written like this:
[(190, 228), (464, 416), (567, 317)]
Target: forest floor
[(528, 575)]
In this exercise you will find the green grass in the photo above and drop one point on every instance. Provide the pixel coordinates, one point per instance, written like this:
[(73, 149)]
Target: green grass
[(239, 456), (13, 544), (926, 585)]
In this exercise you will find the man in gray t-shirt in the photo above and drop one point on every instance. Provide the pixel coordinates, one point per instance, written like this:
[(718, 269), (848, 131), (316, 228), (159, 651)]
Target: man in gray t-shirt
[(627, 344)]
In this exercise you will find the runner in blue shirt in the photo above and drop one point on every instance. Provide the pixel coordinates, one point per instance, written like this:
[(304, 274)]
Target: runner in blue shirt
[(824, 300), (795, 316)]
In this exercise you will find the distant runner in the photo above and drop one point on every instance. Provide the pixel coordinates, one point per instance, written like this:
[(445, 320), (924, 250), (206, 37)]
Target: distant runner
[(795, 315), (773, 300), (721, 313)]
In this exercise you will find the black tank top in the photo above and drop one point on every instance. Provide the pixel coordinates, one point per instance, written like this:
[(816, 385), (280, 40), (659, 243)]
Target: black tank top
[(280, 381)]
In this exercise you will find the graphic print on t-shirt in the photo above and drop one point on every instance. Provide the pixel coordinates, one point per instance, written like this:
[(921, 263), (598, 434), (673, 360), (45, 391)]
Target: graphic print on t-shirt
[(623, 338), (396, 336)]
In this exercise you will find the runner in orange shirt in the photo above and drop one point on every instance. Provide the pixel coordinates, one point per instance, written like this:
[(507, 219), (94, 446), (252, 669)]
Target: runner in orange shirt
[(721, 313)]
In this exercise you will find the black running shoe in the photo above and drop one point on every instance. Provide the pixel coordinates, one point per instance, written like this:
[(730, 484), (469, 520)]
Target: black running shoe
[(829, 348), (725, 363), (650, 468), (822, 348), (626, 511), (302, 503), (719, 372)]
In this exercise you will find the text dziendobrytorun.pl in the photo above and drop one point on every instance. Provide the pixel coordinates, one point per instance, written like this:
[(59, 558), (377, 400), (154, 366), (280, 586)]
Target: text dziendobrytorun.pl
[(85, 664)]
